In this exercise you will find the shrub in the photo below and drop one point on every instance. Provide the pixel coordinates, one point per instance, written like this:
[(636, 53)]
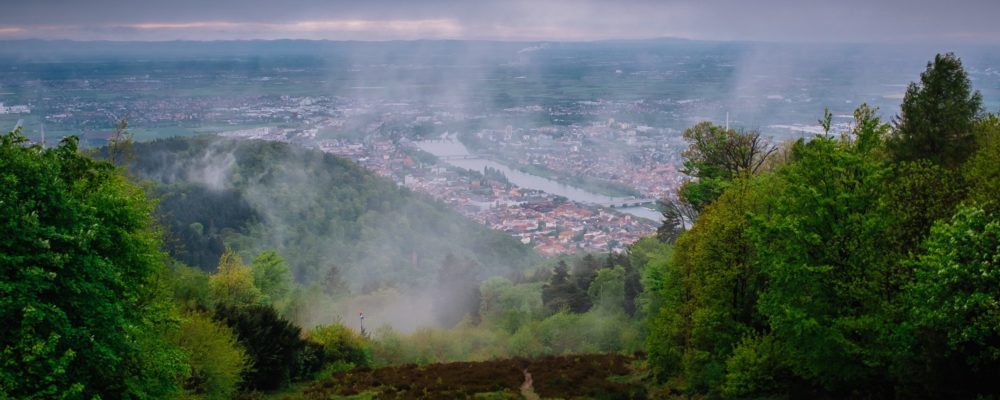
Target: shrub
[(216, 359)]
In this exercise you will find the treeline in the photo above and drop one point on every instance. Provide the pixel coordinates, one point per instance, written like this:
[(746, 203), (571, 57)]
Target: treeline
[(237, 327), (582, 304), (858, 265), (317, 210)]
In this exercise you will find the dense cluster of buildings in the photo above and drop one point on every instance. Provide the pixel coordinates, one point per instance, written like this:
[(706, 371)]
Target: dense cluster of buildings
[(550, 224)]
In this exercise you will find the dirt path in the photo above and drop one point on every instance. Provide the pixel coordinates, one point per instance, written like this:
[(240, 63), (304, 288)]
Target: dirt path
[(527, 388)]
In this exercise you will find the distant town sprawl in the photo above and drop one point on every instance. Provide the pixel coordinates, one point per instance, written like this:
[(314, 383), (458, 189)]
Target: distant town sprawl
[(572, 132)]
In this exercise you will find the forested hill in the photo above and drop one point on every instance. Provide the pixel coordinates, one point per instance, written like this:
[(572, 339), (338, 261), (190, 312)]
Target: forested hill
[(317, 210)]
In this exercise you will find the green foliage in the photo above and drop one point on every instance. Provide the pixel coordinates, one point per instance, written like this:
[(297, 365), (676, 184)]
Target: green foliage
[(272, 276), (515, 322), (981, 171), (216, 360), (341, 345), (953, 307), (232, 284), (607, 290), (191, 290), (715, 156), (869, 133), (713, 303), (80, 292), (509, 306), (821, 248), (200, 219), (915, 195), (755, 370), (937, 115), (836, 273)]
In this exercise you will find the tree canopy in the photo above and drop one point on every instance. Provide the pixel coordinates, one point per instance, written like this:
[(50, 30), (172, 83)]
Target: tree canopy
[(80, 265)]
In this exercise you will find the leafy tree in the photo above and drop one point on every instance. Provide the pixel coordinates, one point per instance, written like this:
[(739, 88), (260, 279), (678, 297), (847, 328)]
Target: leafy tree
[(191, 290), (954, 318), (714, 302), (216, 360), (981, 172), (715, 156), (937, 115), (607, 290), (81, 292), (232, 283), (755, 370), (272, 276), (821, 247), (915, 195), (508, 305), (119, 149)]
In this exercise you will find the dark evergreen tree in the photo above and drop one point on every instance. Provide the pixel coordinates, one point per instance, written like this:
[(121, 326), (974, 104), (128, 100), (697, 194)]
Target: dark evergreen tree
[(937, 115), (273, 343)]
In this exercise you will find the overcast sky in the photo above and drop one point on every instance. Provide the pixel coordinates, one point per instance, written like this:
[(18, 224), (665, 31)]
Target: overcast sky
[(892, 21)]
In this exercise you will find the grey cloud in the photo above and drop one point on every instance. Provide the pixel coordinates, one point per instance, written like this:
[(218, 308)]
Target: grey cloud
[(766, 20)]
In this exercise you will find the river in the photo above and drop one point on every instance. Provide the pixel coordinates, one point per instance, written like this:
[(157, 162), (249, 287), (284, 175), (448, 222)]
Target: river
[(453, 148)]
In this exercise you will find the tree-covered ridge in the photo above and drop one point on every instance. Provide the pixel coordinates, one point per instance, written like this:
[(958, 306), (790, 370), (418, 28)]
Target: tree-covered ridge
[(315, 209), (858, 266)]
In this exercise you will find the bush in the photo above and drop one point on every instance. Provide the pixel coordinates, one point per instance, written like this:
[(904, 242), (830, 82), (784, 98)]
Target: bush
[(217, 361), (340, 347)]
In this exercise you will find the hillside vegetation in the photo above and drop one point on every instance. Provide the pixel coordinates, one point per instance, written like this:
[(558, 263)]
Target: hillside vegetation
[(317, 210)]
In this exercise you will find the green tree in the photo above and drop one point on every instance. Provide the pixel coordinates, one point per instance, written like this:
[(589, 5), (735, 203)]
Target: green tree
[(937, 115), (821, 246), (954, 309), (982, 171), (217, 361), (719, 286), (272, 276), (607, 290), (191, 290), (715, 156), (81, 292), (232, 284)]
